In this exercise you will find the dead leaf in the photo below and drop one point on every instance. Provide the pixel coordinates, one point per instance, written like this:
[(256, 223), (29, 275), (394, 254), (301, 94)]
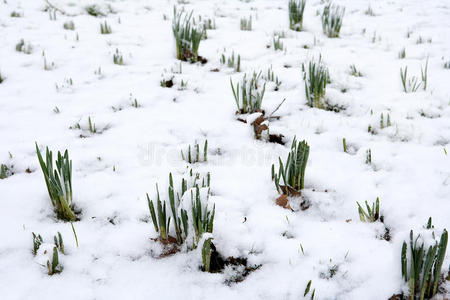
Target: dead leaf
[(283, 202)]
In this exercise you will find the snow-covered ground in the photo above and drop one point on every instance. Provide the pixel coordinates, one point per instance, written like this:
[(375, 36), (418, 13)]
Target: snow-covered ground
[(137, 147)]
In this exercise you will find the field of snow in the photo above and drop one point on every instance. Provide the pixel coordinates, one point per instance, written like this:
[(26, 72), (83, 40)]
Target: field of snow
[(62, 79)]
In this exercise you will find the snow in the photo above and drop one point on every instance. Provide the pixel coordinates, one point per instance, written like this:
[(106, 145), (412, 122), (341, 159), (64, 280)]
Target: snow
[(138, 147)]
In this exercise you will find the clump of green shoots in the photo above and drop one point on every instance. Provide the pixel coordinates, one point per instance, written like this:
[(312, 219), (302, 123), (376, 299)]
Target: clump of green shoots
[(277, 43), (16, 14), (52, 14), (5, 171), (296, 10), (332, 17), (206, 24), (202, 218), (118, 58), (293, 171), (424, 267), (246, 24), (271, 77), (369, 11), (1, 78), (316, 77), (193, 153), (53, 266), (447, 65), (48, 65), (92, 128), (24, 47), (421, 40), (354, 71), (411, 84), (134, 102), (105, 28), (372, 214), (59, 183), (59, 243), (94, 10), (187, 36), (160, 220), (69, 25), (232, 61), (249, 94)]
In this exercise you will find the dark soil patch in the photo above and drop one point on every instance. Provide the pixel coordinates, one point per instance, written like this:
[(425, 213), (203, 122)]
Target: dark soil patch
[(240, 264), (167, 83), (170, 246)]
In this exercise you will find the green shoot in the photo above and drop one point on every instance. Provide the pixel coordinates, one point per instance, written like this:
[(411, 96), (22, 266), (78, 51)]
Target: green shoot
[(424, 75), (429, 224), (307, 290), (54, 267), (368, 156), (206, 255), (402, 53), (37, 242), (52, 14), (344, 145), (74, 233)]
